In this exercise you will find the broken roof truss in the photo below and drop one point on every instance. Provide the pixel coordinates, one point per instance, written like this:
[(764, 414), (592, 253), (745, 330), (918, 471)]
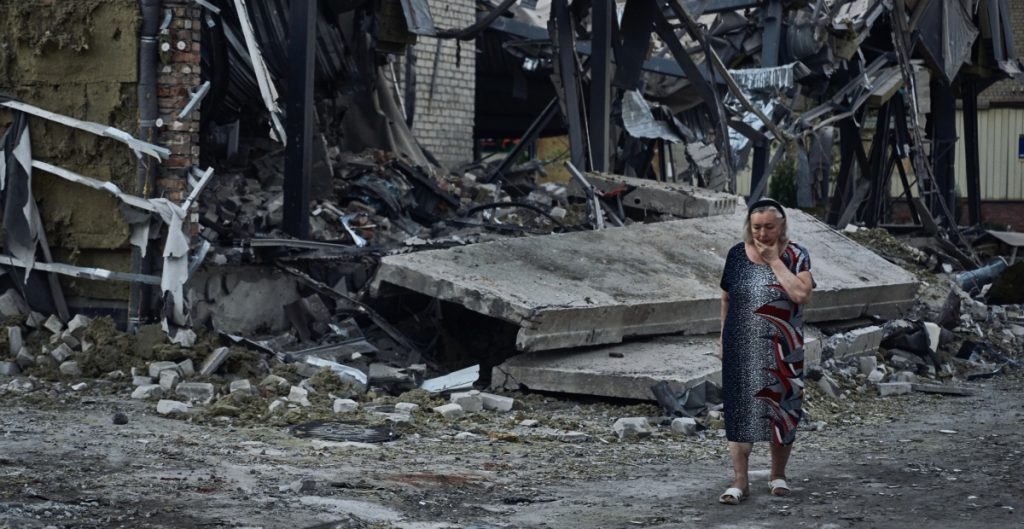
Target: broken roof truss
[(748, 69)]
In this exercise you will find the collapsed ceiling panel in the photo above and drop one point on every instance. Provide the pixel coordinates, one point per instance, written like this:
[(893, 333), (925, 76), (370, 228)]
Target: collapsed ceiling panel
[(599, 287)]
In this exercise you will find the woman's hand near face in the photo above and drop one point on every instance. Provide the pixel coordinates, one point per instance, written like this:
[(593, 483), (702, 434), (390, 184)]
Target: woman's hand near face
[(769, 252)]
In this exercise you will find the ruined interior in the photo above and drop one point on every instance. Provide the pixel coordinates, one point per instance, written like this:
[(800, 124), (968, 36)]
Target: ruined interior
[(229, 209)]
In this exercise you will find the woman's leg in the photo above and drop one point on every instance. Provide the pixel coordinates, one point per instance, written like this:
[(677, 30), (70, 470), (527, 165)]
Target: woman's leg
[(780, 456), (740, 454)]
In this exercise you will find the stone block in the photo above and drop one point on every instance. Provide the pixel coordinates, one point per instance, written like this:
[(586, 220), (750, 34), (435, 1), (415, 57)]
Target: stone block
[(156, 367), (10, 369), (887, 389), (812, 351), (12, 304), (632, 427), (573, 437), (61, 353), (141, 380), (214, 361), (904, 376), (14, 339), (53, 324), (168, 407), (149, 391), (25, 359), (202, 392), (829, 387), (299, 396), (904, 360), (241, 385), (876, 375), (70, 340), (685, 425), (406, 407), (21, 385), (278, 405), (934, 331), (186, 368), (169, 378), (867, 364), (70, 368), (858, 342), (469, 401), (35, 320), (497, 402), (345, 405), (273, 381), (78, 324), (450, 411)]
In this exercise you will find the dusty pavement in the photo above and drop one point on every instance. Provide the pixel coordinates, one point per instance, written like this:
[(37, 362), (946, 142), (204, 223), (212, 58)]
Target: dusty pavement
[(877, 462)]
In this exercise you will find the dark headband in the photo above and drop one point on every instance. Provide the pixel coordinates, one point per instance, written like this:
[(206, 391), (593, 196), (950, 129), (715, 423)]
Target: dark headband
[(766, 202)]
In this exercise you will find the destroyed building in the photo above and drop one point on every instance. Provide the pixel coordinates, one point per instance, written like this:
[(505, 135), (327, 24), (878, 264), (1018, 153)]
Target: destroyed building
[(334, 198)]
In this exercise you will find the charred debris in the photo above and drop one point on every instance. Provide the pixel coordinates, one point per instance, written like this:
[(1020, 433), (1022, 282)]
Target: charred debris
[(310, 176)]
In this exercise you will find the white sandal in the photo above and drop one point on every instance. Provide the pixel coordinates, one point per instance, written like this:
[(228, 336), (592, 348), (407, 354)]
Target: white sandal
[(779, 487), (732, 496)]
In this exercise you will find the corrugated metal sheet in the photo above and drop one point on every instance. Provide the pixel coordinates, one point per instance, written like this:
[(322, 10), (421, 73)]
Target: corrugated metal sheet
[(1002, 172)]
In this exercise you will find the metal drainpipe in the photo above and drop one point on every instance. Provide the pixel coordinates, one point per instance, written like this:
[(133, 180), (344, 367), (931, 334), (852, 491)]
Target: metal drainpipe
[(146, 168)]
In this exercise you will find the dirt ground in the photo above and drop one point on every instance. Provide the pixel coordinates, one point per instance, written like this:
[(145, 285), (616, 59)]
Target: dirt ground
[(904, 461)]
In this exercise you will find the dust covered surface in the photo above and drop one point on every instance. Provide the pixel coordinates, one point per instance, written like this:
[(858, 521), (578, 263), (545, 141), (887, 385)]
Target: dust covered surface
[(947, 462)]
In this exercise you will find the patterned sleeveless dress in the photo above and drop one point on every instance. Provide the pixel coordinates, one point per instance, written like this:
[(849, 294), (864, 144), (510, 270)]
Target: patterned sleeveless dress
[(763, 350)]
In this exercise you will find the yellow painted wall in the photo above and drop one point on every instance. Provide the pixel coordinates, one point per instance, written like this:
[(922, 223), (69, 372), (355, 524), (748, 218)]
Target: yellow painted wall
[(1002, 173)]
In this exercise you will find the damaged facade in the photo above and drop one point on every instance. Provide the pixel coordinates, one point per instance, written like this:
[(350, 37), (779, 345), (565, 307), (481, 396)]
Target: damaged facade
[(316, 201)]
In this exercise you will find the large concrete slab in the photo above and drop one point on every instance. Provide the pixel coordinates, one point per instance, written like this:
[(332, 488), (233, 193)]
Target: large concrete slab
[(598, 287), (626, 370)]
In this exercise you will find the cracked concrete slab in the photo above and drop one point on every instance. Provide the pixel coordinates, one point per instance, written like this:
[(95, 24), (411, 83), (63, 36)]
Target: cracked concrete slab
[(626, 370), (600, 287)]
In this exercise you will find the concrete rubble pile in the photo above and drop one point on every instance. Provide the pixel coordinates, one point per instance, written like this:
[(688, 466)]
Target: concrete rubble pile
[(269, 328), (946, 343)]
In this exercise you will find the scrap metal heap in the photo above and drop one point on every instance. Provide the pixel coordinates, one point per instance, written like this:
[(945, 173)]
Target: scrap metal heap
[(733, 79)]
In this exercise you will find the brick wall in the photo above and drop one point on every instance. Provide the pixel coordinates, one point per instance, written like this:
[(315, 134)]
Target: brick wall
[(1008, 92), (443, 121), (179, 71)]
